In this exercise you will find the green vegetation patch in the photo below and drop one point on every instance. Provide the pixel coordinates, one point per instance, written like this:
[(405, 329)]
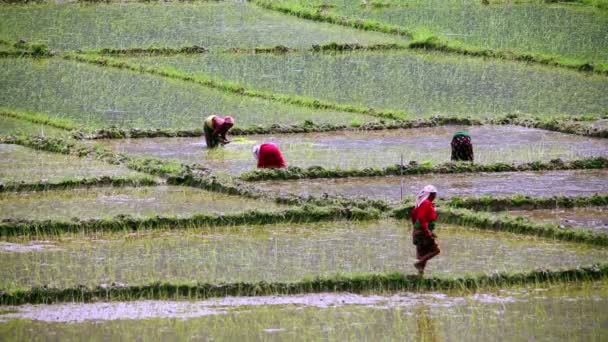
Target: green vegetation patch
[(425, 317), (531, 28), (420, 84), (536, 184), (593, 218), (13, 126), (274, 253), (520, 202), (22, 164), (95, 97), (205, 24)]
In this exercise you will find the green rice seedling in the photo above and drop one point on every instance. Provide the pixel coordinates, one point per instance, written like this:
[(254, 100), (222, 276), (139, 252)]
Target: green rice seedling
[(206, 24), (421, 84)]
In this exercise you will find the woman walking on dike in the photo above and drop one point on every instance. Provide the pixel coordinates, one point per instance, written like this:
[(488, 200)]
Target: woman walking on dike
[(462, 147), (215, 129), (423, 218), (269, 156)]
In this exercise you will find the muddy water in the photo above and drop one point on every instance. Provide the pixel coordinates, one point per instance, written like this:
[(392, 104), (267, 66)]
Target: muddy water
[(595, 218), (109, 202), (286, 252), (372, 149), (536, 184), (21, 164), (573, 312)]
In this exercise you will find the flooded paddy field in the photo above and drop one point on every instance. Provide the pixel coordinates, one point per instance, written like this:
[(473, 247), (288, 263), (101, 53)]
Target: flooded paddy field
[(177, 201), (418, 83), (97, 97), (594, 218), (536, 184), (214, 25), (570, 30), (362, 149), (560, 312), (22, 164), (278, 252)]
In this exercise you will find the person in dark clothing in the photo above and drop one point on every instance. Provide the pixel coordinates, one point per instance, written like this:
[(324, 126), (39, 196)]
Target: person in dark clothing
[(215, 129), (462, 147)]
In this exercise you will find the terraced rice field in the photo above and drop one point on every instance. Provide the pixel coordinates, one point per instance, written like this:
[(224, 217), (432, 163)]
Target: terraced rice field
[(117, 222), (356, 149), (536, 184), (530, 26), (132, 25), (421, 84), (95, 97), (22, 164)]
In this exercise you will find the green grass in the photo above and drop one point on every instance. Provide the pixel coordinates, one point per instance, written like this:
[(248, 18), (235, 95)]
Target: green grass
[(13, 126), (283, 252), (215, 25), (420, 84), (564, 31), (95, 97)]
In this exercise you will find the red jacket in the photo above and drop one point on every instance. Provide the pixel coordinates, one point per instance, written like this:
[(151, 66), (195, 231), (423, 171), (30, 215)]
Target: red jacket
[(424, 214), (220, 127), (270, 156)]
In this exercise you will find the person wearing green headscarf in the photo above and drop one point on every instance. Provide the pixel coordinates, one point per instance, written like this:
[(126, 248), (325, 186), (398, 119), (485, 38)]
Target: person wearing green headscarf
[(462, 147)]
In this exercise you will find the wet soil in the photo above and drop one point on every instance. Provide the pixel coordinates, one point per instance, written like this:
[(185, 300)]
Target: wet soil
[(536, 184), (360, 149), (595, 218), (285, 252)]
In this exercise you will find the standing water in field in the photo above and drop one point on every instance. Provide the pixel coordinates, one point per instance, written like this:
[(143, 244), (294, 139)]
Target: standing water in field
[(382, 148)]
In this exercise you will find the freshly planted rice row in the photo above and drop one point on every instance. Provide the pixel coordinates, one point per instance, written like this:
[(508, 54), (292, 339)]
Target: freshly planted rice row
[(417, 83), (210, 24), (349, 150), (284, 252), (97, 97)]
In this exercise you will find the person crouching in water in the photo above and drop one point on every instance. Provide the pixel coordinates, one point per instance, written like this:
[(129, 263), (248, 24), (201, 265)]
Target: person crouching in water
[(462, 147), (423, 218), (215, 129), (269, 156)]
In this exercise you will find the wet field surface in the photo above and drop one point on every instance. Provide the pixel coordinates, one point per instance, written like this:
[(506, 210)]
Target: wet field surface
[(535, 184), (594, 218), (175, 201), (562, 312), (360, 149), (22, 164), (283, 252)]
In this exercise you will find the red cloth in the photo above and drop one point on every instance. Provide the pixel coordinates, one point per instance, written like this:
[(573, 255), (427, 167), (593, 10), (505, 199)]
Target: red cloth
[(270, 156), (220, 127), (424, 214)]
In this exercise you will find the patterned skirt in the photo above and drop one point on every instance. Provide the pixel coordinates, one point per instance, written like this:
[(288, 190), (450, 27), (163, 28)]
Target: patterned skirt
[(462, 148)]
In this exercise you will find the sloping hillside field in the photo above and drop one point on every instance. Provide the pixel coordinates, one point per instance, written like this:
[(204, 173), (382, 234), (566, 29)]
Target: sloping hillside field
[(119, 222)]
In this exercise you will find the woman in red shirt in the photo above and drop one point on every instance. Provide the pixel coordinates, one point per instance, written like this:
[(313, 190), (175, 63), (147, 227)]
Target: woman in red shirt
[(423, 218), (269, 156)]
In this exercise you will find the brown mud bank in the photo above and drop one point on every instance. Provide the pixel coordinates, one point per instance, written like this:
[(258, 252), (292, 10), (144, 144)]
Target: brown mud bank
[(361, 149), (535, 184)]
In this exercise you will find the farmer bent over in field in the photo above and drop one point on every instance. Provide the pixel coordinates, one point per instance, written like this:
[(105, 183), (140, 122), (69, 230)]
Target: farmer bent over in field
[(462, 148), (268, 155), (423, 218), (215, 129)]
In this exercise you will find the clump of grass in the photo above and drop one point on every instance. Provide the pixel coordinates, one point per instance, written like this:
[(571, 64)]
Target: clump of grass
[(491, 203), (39, 118), (79, 183)]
